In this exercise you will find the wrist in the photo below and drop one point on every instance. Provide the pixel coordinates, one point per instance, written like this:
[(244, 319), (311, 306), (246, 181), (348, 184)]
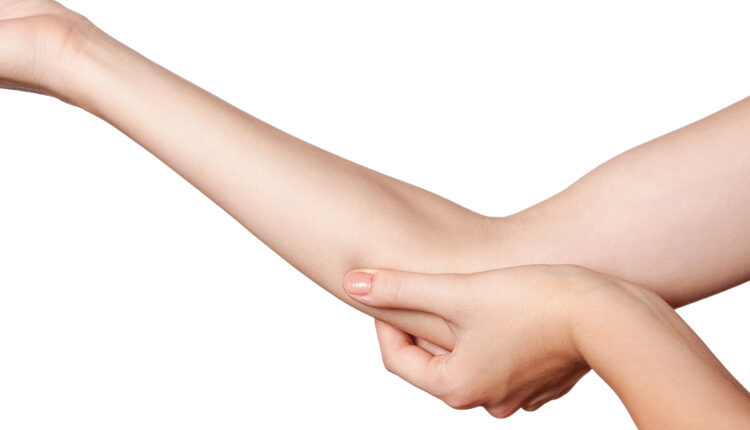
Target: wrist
[(65, 41), (652, 359), (85, 79), (609, 310)]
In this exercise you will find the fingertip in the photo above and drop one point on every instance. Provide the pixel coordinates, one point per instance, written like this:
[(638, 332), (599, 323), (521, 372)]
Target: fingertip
[(390, 336), (380, 325), (430, 347)]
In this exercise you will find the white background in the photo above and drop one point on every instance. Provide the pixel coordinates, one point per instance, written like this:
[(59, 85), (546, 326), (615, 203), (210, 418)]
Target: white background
[(129, 300)]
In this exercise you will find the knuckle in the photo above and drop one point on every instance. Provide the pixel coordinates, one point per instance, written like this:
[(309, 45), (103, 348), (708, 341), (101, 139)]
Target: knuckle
[(462, 398), (388, 364), (391, 287), (502, 410), (456, 401)]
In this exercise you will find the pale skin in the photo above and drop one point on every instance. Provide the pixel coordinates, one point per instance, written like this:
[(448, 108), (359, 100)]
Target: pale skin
[(669, 215), (563, 319)]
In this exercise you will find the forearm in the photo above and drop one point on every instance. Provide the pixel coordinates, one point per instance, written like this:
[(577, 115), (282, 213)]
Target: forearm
[(321, 213), (664, 374)]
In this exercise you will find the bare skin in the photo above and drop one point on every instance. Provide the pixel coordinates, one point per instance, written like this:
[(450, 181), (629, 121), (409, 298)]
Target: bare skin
[(669, 215), (525, 335)]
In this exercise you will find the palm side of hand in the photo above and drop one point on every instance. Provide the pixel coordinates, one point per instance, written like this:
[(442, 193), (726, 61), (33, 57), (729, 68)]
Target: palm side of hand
[(39, 41)]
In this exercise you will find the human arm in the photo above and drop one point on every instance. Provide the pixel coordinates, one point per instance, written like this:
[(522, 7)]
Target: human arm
[(326, 215), (670, 215), (525, 335), (661, 370), (320, 212)]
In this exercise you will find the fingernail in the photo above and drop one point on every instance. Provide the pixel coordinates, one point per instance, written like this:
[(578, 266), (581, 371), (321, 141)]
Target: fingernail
[(358, 283)]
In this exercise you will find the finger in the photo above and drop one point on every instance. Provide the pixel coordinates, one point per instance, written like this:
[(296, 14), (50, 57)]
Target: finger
[(563, 392), (538, 404), (436, 294), (535, 406), (430, 347), (408, 361), (502, 411)]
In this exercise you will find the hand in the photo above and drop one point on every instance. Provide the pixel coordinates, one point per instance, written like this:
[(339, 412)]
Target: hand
[(513, 330), (40, 41)]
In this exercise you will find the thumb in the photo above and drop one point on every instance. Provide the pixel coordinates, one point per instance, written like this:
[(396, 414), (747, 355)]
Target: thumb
[(437, 294)]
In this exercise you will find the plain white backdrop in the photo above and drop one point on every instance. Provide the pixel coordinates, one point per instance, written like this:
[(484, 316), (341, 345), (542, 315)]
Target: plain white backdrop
[(129, 300)]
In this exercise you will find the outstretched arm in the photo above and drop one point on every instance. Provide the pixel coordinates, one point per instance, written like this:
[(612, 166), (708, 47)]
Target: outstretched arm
[(668, 215)]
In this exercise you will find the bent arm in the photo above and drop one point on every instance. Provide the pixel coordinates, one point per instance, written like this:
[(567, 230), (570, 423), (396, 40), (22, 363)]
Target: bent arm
[(668, 215)]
